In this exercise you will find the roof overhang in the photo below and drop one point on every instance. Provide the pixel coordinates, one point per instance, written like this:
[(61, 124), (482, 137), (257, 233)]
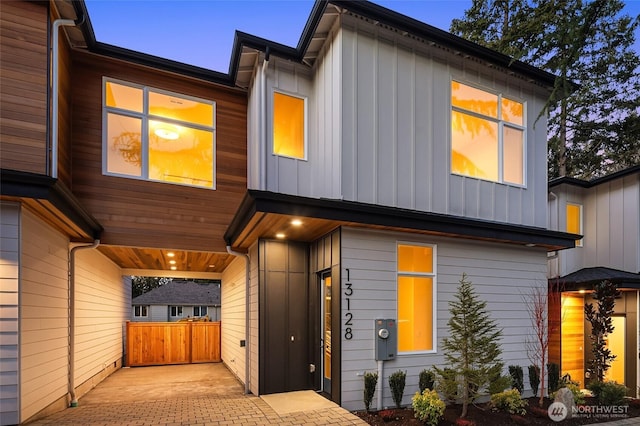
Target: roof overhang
[(52, 201), (586, 278), (594, 182), (262, 214)]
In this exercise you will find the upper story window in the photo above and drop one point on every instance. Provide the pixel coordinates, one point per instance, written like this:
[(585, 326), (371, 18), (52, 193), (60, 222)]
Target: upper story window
[(289, 126), (156, 135), (416, 298), (574, 221), (487, 135)]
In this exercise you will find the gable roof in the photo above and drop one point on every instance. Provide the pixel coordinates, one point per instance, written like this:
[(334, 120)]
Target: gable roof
[(311, 39), (181, 293), (594, 182)]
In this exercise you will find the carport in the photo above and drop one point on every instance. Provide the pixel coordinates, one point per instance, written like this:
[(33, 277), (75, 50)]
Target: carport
[(193, 394)]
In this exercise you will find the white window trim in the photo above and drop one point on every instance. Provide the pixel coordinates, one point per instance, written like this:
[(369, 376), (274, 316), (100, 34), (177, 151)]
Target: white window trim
[(433, 275), (146, 310), (305, 124), (179, 311), (144, 116), (580, 242), (199, 308), (501, 124)]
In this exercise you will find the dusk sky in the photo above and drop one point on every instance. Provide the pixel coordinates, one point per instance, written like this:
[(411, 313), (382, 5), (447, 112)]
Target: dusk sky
[(200, 32)]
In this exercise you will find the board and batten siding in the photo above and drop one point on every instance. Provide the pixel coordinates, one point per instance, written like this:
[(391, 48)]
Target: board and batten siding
[(44, 317), (103, 303), (501, 275), (395, 129), (254, 326), (233, 313), (9, 313)]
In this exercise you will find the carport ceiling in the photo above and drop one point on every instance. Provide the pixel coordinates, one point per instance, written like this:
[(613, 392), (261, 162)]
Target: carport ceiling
[(163, 260)]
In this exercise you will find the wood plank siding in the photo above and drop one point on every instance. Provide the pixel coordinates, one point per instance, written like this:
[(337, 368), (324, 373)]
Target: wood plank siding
[(233, 329), (9, 317), (23, 86), (151, 214), (500, 276)]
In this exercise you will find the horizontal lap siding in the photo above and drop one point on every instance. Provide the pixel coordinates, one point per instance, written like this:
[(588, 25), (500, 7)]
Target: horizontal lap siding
[(395, 129), (23, 86), (501, 276), (103, 305), (152, 214), (233, 311), (9, 318), (44, 322)]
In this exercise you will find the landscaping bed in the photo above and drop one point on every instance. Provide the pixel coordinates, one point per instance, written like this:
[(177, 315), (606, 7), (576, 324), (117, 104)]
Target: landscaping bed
[(482, 415)]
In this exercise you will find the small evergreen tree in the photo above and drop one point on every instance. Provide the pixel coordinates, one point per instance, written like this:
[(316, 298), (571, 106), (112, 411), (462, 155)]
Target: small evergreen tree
[(472, 350), (605, 293)]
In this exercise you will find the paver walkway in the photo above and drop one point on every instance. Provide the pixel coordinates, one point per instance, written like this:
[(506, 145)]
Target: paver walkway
[(197, 394)]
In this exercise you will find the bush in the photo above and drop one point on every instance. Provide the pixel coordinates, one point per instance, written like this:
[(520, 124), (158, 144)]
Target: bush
[(608, 393), (370, 382), (554, 377), (396, 383), (510, 401), (578, 396), (517, 378), (448, 384), (428, 407), (426, 380), (498, 383), (534, 378)]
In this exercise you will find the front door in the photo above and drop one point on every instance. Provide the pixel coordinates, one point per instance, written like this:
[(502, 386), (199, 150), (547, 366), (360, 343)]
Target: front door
[(325, 322), (616, 344)]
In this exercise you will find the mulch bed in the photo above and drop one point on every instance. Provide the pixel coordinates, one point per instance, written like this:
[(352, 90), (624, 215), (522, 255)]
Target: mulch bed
[(481, 415)]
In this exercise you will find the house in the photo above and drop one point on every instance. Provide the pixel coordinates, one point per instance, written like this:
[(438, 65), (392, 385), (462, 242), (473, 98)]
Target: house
[(331, 186), (178, 300), (606, 212)]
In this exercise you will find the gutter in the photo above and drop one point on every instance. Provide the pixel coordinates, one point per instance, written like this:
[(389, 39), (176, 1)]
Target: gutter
[(72, 320), (247, 324)]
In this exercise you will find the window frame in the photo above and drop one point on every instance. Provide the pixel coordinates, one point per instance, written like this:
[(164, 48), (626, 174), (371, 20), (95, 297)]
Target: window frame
[(433, 275), (144, 118), (178, 309), (199, 308), (143, 311), (305, 118), (501, 124), (580, 242)]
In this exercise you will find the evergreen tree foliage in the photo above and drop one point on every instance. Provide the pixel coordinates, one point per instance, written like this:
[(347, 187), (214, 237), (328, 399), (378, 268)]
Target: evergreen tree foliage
[(593, 124), (472, 349), (605, 294), (141, 285)]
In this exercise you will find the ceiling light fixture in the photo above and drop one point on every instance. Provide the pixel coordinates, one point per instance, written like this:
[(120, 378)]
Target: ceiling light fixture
[(173, 262), (280, 235), (163, 133), (173, 268), (296, 222), (171, 254)]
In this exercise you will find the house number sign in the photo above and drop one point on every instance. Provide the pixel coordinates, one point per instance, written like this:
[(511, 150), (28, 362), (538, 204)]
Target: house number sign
[(348, 323)]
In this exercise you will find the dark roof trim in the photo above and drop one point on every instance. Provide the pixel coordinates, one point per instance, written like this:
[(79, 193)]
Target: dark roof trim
[(594, 182), (589, 276), (362, 7), (41, 187), (369, 214)]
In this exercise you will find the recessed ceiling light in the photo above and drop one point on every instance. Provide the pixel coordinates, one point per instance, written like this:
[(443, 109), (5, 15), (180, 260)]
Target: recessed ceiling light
[(168, 134), (173, 268), (280, 235), (296, 222), (173, 262), (212, 266), (171, 254)]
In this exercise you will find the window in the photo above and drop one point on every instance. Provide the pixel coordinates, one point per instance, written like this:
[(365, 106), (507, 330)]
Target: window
[(140, 311), (199, 311), (159, 136), (574, 221), (176, 311), (487, 135), (416, 298), (289, 126)]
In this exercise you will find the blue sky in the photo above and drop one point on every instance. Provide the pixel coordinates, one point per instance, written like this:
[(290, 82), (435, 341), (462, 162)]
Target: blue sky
[(200, 32)]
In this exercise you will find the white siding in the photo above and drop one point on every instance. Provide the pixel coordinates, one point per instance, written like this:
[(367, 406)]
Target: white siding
[(103, 303), (9, 317), (233, 324), (501, 276), (159, 313), (44, 322), (396, 131)]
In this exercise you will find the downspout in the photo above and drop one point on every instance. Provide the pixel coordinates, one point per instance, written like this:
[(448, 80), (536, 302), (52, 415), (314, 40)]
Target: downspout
[(55, 92), (263, 114), (72, 319), (247, 324), (381, 383)]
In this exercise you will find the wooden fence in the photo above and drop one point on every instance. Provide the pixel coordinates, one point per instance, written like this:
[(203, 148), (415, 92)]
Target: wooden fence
[(161, 343)]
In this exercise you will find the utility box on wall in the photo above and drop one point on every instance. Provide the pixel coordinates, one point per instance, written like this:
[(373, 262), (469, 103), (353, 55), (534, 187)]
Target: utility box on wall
[(386, 339)]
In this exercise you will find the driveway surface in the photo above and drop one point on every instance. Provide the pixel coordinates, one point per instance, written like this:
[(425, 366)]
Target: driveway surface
[(194, 394)]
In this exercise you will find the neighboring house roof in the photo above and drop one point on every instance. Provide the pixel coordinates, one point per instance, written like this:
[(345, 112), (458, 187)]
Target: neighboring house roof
[(589, 276), (594, 182), (181, 293)]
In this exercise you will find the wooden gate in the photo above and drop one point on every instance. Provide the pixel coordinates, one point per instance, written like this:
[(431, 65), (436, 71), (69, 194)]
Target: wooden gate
[(161, 343)]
